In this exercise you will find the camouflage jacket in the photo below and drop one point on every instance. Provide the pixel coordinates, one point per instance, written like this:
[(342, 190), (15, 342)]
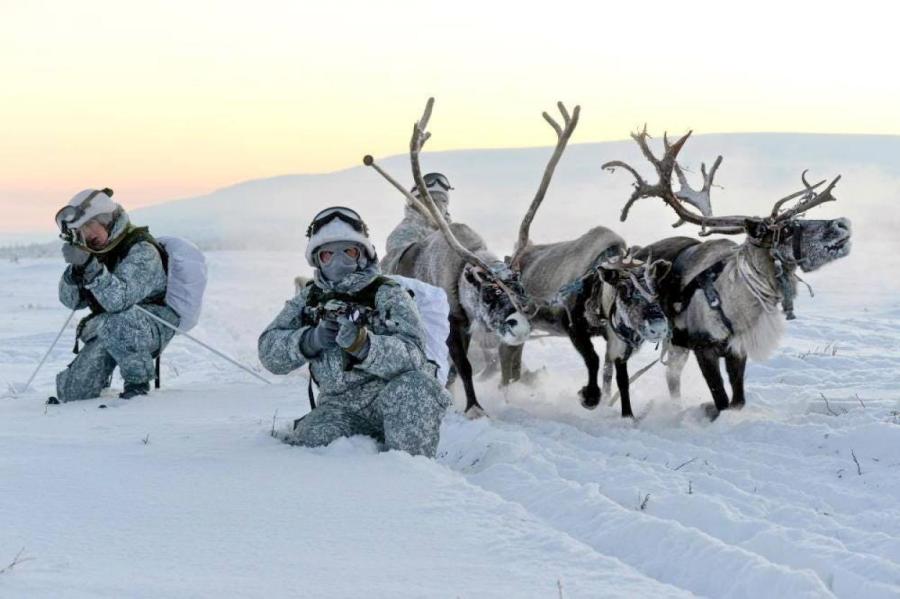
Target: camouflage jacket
[(137, 278), (396, 344)]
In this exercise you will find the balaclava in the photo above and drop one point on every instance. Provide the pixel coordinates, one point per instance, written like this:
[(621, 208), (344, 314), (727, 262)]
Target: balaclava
[(340, 265)]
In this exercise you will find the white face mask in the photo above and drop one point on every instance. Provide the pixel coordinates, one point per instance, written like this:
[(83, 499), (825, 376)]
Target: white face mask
[(340, 263), (439, 196)]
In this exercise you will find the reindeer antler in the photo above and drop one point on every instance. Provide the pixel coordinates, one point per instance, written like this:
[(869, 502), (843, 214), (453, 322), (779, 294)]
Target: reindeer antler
[(663, 187), (727, 225), (699, 199), (562, 134), (809, 198), (419, 136)]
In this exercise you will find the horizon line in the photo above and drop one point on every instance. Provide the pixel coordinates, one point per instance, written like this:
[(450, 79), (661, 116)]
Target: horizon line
[(214, 190)]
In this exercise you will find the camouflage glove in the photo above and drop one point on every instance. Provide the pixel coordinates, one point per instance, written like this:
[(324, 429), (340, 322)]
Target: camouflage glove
[(75, 255), (316, 340), (353, 338)]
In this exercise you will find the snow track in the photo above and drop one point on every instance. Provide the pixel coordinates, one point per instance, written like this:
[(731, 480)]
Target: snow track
[(184, 493)]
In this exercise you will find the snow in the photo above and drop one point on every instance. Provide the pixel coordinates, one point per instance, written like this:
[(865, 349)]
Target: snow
[(186, 493)]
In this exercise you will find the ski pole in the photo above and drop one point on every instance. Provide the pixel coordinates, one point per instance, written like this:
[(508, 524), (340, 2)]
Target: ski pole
[(52, 345), (195, 340)]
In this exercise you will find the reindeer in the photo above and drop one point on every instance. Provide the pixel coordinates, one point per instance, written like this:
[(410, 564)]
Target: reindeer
[(483, 292), (589, 287), (721, 298)]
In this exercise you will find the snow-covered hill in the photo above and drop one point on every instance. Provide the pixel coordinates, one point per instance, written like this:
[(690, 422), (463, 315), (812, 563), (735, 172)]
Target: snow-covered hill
[(494, 187), (185, 493)]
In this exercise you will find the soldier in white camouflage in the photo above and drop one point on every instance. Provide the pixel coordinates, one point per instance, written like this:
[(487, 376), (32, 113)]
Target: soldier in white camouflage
[(113, 266), (414, 227), (363, 339)]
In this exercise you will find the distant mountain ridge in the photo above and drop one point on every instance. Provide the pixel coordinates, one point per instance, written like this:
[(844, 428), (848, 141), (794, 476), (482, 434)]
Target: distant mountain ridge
[(493, 188)]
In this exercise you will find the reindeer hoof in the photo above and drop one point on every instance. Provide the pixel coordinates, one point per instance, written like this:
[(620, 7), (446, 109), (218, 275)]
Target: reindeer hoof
[(711, 411), (590, 398), (475, 412), (530, 377), (737, 405)]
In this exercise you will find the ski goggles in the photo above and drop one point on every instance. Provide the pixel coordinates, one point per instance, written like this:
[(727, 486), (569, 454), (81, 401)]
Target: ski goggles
[(70, 214), (341, 213), (436, 179), (352, 252)]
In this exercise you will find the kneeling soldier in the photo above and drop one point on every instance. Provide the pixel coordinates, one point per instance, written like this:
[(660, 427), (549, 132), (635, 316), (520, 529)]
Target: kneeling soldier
[(363, 339), (113, 267)]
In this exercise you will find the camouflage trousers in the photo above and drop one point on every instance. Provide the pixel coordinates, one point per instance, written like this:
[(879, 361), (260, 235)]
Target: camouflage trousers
[(129, 339), (404, 413)]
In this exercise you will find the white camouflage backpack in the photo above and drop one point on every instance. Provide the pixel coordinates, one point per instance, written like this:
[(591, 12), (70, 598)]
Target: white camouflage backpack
[(186, 279), (434, 311)]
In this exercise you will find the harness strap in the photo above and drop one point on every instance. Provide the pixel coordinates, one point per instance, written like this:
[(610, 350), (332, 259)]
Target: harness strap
[(705, 281), (312, 398)]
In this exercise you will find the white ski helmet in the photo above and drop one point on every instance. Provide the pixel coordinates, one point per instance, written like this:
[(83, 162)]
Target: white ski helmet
[(337, 224), (84, 206)]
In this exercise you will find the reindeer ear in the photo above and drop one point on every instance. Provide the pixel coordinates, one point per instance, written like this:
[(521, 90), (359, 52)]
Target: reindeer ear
[(608, 274), (755, 228), (660, 269), (472, 276)]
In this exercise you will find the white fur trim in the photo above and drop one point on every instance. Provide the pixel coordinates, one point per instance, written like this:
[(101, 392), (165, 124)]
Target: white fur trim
[(337, 230)]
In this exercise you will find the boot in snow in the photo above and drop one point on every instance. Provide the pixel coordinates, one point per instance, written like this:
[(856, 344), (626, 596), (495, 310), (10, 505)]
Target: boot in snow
[(52, 401), (134, 389)]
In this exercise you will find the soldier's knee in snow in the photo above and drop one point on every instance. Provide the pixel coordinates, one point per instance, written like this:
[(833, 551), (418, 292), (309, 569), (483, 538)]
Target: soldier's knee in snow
[(417, 388), (317, 435), (86, 376)]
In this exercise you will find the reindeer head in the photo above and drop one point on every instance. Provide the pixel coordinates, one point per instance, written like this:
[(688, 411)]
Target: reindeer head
[(636, 303), (498, 301), (796, 241), (793, 241), (809, 244)]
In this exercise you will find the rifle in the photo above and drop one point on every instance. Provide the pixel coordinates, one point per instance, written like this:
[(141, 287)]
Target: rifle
[(337, 309)]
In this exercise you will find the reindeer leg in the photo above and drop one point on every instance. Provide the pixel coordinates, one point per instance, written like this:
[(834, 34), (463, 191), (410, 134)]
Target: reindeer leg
[(581, 339), (607, 375), (622, 384), (487, 349), (510, 363), (677, 358), (736, 365), (458, 343), (708, 360)]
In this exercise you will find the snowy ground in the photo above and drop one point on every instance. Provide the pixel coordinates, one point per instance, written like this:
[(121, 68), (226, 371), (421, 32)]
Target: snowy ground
[(185, 493)]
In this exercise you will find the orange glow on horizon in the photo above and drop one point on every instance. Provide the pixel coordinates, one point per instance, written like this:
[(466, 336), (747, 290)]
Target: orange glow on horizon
[(173, 99)]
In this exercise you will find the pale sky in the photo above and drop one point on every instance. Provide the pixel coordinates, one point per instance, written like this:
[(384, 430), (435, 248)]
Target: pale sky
[(168, 99)]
